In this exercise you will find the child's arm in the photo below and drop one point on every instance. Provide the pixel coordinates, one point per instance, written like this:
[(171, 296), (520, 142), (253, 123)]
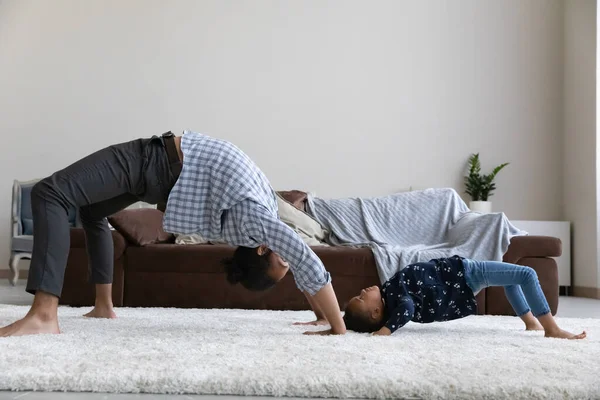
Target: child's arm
[(399, 317), (383, 332)]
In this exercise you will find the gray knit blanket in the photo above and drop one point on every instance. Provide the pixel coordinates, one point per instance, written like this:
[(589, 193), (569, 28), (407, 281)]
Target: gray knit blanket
[(414, 226)]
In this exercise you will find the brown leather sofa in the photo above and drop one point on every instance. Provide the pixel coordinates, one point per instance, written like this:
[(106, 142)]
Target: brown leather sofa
[(152, 271)]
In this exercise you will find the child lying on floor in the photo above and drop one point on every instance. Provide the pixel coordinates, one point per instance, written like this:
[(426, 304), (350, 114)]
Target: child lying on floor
[(443, 290)]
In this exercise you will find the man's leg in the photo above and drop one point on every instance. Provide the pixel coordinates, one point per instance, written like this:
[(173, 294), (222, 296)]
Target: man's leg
[(157, 181), (104, 175), (51, 241), (100, 250)]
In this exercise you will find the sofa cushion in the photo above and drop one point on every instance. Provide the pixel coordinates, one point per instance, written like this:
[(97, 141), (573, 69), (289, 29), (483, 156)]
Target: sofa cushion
[(169, 275), (141, 226), (174, 258), (308, 228), (207, 258), (22, 243)]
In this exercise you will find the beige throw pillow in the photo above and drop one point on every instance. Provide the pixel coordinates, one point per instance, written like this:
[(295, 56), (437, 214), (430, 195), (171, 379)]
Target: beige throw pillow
[(309, 229)]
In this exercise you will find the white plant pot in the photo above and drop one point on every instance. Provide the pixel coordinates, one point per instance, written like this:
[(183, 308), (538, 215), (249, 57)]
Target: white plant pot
[(484, 207)]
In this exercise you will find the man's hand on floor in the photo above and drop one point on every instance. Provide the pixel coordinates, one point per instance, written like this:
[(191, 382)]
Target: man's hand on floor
[(314, 323), (322, 333)]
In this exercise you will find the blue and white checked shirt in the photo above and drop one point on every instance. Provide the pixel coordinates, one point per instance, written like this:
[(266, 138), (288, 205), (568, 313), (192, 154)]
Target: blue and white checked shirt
[(222, 195)]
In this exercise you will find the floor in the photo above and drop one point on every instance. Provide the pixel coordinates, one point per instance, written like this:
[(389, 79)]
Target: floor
[(570, 307), (104, 396)]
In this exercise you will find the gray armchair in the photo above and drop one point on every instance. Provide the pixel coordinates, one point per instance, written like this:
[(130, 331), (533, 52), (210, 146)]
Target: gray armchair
[(21, 244)]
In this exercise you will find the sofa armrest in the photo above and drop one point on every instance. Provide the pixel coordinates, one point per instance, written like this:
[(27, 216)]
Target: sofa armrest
[(532, 246), (78, 241)]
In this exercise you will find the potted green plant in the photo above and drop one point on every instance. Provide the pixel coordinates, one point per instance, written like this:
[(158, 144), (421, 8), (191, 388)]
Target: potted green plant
[(479, 186)]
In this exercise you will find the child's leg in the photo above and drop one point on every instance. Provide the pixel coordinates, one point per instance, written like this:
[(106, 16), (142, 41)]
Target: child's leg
[(531, 322), (481, 274), (517, 300), (522, 290), (552, 329)]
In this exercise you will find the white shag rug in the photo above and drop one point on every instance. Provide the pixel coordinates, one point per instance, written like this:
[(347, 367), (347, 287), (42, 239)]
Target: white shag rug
[(240, 352)]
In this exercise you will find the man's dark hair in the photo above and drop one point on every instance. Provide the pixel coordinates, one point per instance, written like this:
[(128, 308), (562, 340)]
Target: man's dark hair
[(360, 322), (249, 268)]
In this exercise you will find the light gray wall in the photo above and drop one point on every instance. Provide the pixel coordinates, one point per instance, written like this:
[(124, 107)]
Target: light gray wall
[(337, 97), (580, 144)]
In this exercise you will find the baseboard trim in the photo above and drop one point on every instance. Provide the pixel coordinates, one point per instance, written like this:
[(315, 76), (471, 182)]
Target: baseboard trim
[(588, 292), (6, 273)]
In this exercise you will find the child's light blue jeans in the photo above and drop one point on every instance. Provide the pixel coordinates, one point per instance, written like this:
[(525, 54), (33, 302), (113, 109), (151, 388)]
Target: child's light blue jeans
[(521, 284)]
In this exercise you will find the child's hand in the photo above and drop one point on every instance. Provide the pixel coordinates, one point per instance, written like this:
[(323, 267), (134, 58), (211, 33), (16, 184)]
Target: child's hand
[(315, 323), (382, 332)]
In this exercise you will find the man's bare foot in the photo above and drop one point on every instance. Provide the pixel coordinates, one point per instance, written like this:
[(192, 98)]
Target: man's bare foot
[(535, 326), (103, 306), (30, 325), (101, 312), (559, 333)]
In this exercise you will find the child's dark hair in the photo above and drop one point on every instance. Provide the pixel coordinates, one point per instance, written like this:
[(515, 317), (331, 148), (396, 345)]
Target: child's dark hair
[(249, 268), (359, 322)]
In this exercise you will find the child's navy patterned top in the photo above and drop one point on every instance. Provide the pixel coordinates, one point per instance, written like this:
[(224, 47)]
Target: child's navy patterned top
[(428, 291)]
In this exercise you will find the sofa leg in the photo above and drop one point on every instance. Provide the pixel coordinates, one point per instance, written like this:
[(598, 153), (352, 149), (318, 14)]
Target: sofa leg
[(14, 269), (14, 266)]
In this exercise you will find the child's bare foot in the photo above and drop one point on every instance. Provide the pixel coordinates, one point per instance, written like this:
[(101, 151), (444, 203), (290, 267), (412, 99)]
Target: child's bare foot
[(30, 325), (101, 312), (559, 333), (534, 326), (531, 322)]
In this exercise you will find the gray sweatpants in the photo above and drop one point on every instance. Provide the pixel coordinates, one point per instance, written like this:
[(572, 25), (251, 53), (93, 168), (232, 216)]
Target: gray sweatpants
[(98, 185)]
